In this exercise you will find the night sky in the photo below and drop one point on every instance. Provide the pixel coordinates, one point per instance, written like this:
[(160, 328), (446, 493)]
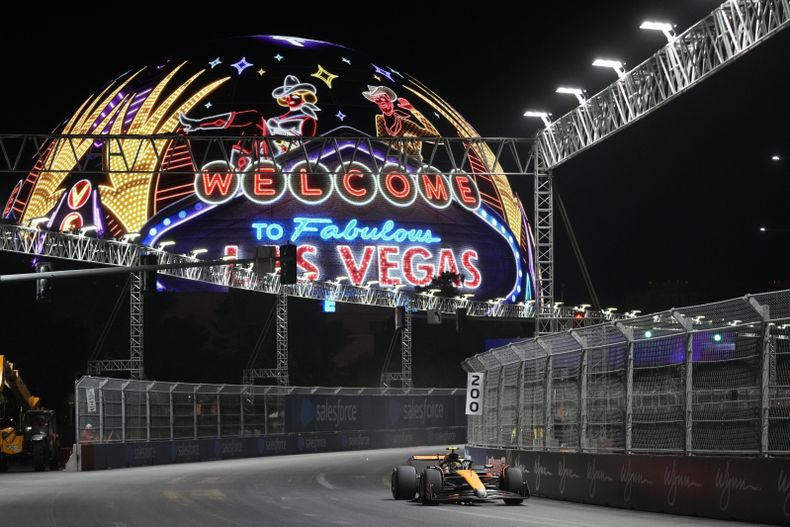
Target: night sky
[(667, 212)]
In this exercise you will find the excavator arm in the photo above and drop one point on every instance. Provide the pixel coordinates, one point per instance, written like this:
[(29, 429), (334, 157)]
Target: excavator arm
[(11, 381)]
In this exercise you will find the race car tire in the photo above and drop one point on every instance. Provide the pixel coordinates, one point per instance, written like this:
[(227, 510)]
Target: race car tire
[(513, 481), (404, 482), (431, 482)]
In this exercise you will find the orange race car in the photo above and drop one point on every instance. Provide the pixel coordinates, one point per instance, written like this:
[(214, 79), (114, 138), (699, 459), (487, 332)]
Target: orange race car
[(449, 478)]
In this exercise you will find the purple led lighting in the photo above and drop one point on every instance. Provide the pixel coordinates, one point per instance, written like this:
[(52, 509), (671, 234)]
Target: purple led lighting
[(97, 217)]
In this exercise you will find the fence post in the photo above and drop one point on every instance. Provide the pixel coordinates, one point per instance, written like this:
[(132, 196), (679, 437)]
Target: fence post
[(148, 412), (765, 373), (547, 396), (582, 390), (123, 411), (194, 410), (628, 333), (241, 411), (77, 429), (687, 324), (500, 390), (219, 413), (172, 413), (101, 410), (520, 404)]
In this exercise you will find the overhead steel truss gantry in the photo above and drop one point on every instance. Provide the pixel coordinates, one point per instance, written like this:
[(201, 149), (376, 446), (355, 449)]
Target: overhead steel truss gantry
[(731, 30)]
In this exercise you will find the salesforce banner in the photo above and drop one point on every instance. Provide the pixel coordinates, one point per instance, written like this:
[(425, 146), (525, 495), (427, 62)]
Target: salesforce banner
[(326, 413)]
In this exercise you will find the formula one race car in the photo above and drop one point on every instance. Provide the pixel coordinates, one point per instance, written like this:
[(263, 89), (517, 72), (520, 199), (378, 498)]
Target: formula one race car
[(449, 478)]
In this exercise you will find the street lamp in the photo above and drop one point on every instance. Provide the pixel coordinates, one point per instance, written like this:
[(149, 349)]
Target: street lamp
[(544, 116), (665, 27), (578, 92), (616, 65)]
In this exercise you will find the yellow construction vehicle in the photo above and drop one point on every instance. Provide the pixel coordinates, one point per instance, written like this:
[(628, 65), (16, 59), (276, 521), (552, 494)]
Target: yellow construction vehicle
[(34, 434)]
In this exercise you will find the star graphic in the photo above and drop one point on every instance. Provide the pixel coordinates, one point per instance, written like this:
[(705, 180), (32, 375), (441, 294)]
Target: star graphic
[(279, 57), (344, 59), (261, 72), (241, 65), (377, 78), (396, 72), (214, 63), (437, 115), (340, 115), (324, 75), (383, 73), (208, 105)]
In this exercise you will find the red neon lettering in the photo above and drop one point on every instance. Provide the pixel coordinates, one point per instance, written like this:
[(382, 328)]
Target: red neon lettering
[(214, 181), (356, 273), (304, 183), (447, 261), (262, 181), (385, 265), (466, 193), (436, 189), (426, 270), (404, 183), (356, 192), (310, 269), (469, 267)]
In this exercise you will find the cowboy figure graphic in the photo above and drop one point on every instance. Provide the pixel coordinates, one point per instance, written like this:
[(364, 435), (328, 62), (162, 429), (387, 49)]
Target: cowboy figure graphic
[(397, 119), (300, 120)]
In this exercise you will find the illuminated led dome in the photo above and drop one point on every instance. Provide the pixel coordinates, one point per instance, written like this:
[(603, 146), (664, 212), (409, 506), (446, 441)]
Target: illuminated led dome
[(369, 212)]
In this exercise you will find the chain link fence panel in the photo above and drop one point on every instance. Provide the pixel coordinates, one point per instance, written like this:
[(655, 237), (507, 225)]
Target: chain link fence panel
[(705, 379)]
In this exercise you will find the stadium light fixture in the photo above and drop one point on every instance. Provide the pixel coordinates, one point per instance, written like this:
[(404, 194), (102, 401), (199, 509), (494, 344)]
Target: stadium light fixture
[(35, 222), (544, 116), (371, 282), (164, 244), (763, 229), (195, 252), (665, 27), (130, 236), (616, 65), (776, 157), (578, 92), (339, 279)]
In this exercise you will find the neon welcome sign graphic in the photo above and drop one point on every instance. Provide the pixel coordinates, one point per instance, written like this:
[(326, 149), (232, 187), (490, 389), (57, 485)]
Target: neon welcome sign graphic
[(313, 201), (264, 182)]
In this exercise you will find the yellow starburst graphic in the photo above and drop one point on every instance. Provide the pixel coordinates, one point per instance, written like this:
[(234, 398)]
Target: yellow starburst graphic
[(324, 76), (64, 155), (130, 162)]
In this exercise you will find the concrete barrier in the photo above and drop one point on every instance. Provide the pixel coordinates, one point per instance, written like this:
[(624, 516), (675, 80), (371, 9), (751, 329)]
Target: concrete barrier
[(132, 454), (746, 489)]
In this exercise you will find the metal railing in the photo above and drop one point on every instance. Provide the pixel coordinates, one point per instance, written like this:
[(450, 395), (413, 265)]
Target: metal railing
[(121, 410), (705, 379)]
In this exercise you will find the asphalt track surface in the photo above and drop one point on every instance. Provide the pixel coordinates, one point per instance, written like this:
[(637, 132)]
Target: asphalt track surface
[(337, 489)]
